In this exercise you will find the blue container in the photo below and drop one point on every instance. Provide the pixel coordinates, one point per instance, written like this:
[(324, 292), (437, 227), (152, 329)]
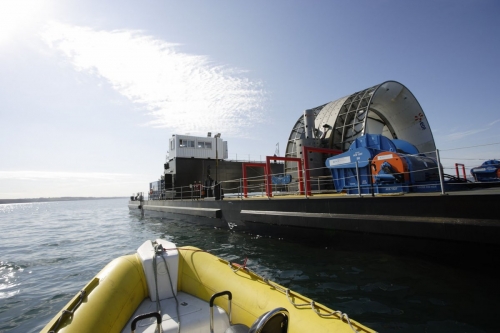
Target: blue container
[(489, 171), (376, 142), (343, 169), (362, 150)]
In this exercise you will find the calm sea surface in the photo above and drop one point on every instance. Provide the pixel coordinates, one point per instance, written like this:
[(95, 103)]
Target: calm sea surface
[(49, 251)]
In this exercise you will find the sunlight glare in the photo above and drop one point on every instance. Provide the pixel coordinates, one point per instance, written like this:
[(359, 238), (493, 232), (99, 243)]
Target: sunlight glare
[(16, 15)]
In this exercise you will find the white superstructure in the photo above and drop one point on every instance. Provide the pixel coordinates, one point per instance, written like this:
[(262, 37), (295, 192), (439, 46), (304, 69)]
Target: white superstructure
[(197, 147)]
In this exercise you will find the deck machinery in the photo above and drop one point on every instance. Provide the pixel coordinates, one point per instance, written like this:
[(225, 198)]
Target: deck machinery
[(388, 109), (489, 171), (377, 164)]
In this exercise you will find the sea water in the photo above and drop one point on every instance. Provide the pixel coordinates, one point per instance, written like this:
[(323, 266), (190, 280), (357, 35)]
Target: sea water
[(49, 251)]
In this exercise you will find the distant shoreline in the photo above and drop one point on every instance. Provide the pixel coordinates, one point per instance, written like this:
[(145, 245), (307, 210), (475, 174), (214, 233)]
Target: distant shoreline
[(11, 201)]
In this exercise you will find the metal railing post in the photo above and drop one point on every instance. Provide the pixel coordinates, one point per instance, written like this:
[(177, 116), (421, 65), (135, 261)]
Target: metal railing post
[(359, 180), (371, 178), (305, 182), (141, 203), (440, 172)]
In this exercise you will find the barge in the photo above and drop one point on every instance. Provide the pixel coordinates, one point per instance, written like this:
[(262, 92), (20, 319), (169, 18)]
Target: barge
[(364, 164)]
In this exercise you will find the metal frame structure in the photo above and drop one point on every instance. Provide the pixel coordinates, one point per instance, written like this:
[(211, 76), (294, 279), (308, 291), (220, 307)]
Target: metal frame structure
[(463, 170), (244, 172), (269, 185), (351, 119), (305, 153)]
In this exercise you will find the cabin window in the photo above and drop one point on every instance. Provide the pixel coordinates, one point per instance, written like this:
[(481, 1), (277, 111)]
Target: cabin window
[(205, 145), (172, 145), (186, 143)]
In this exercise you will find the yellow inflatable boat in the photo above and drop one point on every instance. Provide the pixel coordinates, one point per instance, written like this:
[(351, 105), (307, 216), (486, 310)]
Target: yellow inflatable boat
[(168, 289)]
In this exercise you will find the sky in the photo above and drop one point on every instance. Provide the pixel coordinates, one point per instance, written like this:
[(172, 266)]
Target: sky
[(91, 91)]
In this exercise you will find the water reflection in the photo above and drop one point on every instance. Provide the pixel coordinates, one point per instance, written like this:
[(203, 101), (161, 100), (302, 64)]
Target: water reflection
[(70, 242)]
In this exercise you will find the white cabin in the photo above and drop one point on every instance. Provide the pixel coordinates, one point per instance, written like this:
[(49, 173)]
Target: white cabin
[(199, 147)]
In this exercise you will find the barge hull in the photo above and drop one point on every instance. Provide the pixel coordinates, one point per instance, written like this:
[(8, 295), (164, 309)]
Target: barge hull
[(472, 216)]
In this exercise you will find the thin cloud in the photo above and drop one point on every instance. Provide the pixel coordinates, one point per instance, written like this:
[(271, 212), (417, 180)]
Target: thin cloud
[(461, 135), (182, 92), (76, 176), (493, 122)]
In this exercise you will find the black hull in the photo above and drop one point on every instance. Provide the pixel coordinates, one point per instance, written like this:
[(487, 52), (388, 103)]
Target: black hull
[(471, 216)]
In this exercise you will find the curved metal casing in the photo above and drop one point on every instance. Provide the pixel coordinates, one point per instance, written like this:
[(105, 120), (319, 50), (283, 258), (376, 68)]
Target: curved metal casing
[(389, 109)]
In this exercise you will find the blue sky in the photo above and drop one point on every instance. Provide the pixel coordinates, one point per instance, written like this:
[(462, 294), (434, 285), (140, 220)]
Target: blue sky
[(90, 91)]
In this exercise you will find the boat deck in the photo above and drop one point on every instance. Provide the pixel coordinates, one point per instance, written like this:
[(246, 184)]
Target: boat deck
[(474, 191), (194, 316)]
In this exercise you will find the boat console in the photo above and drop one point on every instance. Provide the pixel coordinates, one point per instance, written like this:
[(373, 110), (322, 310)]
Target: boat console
[(169, 308), (194, 315), (160, 262)]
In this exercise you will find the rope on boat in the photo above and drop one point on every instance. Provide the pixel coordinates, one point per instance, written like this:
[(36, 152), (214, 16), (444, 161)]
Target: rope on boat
[(343, 316), (340, 314), (68, 312)]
